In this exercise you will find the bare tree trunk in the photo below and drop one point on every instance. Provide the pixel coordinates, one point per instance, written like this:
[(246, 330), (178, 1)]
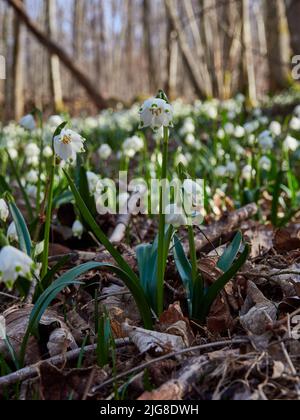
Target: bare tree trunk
[(55, 49), (54, 67), (277, 46), (189, 59), (172, 60), (17, 70), (293, 16), (248, 53), (148, 47)]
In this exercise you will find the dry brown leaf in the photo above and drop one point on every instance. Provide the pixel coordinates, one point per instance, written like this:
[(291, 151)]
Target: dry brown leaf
[(59, 341), (153, 342), (17, 319), (172, 321)]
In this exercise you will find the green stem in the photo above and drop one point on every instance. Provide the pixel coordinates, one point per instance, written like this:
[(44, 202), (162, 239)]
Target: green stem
[(48, 220), (161, 233), (23, 191), (193, 254), (38, 194)]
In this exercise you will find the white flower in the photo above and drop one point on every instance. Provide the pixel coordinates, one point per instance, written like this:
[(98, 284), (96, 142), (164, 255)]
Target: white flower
[(2, 328), (32, 177), (297, 111), (193, 190), (175, 215), (67, 144), (239, 132), (77, 229), (290, 144), (132, 145), (221, 134), (188, 127), (251, 126), (265, 140), (190, 139), (12, 234), (231, 168), (295, 124), (181, 158), (275, 128), (220, 171), (265, 163), (27, 122), (229, 128), (32, 150), (104, 151), (240, 98), (4, 212), (156, 113), (47, 152), (248, 172), (14, 264), (55, 121)]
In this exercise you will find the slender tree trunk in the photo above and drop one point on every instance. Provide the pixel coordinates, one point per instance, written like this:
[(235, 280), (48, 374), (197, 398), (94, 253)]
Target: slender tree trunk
[(293, 16), (248, 53), (17, 70), (54, 66), (55, 49), (148, 47), (190, 61), (277, 45)]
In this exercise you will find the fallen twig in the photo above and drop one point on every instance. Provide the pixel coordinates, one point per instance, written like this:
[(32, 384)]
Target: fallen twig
[(32, 371), (167, 356)]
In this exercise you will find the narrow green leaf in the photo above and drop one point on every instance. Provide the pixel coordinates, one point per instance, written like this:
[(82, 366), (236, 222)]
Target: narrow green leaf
[(21, 227), (229, 255)]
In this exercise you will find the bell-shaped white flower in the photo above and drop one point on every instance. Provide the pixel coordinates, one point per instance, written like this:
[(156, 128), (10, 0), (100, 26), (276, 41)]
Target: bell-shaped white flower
[(156, 113), (132, 145), (28, 122), (175, 216), (12, 234), (32, 177), (291, 144), (4, 212), (67, 144), (55, 120), (47, 152), (265, 163), (275, 128), (104, 151), (14, 264), (77, 229), (32, 150)]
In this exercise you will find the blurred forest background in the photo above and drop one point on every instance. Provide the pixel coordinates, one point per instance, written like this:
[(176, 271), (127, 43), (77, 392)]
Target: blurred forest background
[(85, 55)]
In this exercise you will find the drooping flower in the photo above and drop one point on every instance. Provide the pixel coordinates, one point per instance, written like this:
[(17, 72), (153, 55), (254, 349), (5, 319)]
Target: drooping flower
[(77, 229), (156, 113), (32, 177), (132, 145), (14, 264), (12, 234), (275, 128), (28, 122), (248, 172), (104, 151), (55, 120), (291, 144), (4, 212), (175, 216), (67, 144), (295, 124), (47, 152), (265, 163)]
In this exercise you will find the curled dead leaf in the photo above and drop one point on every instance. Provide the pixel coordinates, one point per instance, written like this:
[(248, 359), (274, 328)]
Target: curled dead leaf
[(153, 342)]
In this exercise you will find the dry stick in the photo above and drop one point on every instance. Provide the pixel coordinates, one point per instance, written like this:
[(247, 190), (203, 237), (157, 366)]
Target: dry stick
[(177, 388), (229, 224), (167, 356), (32, 371)]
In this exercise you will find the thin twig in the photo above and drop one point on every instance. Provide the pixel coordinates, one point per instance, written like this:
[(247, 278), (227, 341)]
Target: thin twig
[(167, 356)]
